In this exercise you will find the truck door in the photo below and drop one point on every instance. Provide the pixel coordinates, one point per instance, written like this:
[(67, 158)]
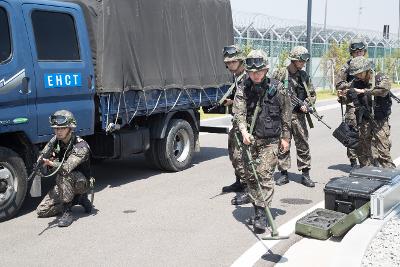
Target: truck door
[(16, 72), (62, 64)]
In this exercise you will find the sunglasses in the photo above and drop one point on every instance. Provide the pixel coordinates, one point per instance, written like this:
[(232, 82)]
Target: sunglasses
[(357, 46), (255, 63)]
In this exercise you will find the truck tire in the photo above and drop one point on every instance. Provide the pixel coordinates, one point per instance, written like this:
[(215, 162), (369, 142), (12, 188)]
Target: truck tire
[(152, 156), (13, 183), (175, 151)]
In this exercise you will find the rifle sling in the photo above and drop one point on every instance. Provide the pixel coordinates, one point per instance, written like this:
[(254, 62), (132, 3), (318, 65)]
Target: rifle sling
[(229, 92)]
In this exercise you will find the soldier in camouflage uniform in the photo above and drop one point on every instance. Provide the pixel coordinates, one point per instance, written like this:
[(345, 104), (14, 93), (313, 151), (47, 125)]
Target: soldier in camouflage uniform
[(357, 48), (271, 130), (234, 61), (68, 156), (299, 84), (370, 96)]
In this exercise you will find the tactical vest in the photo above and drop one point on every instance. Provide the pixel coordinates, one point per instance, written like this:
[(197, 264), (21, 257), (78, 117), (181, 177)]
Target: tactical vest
[(300, 90), (268, 123), (382, 105), (84, 167)]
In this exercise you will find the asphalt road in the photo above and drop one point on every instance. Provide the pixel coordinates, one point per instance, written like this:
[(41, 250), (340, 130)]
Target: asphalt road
[(146, 218)]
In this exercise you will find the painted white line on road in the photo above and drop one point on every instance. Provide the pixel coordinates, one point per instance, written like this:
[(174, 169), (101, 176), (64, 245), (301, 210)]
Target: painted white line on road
[(397, 161), (328, 107), (217, 118), (253, 254)]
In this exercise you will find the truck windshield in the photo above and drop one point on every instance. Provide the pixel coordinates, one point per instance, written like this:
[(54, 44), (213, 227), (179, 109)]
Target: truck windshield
[(5, 42)]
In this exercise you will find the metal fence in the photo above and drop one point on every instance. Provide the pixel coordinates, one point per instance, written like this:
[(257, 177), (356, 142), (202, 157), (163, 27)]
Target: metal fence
[(275, 36)]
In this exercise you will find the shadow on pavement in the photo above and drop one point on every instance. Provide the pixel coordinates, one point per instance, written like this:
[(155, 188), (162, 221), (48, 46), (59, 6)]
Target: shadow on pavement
[(242, 213), (115, 173), (77, 212), (340, 167), (209, 153), (270, 256)]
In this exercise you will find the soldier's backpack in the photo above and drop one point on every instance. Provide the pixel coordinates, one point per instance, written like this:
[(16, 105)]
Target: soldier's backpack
[(347, 135)]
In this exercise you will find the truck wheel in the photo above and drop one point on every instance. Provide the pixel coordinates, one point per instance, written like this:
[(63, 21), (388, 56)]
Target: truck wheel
[(152, 156), (13, 183), (175, 151)]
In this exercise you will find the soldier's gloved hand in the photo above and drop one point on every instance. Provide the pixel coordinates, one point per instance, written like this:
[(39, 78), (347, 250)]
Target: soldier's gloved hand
[(304, 109), (284, 145), (247, 138)]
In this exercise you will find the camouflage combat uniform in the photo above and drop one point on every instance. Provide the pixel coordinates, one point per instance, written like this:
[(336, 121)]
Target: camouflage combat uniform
[(264, 149), (71, 179), (299, 131), (372, 109), (344, 83), (235, 154), (231, 54)]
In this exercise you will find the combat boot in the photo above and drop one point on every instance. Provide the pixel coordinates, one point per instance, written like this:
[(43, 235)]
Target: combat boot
[(353, 163), (241, 199), (305, 179), (66, 219), (85, 203), (237, 186), (260, 220), (283, 179)]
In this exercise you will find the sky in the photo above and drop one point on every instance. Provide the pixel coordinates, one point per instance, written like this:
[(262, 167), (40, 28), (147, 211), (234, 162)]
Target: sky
[(343, 13)]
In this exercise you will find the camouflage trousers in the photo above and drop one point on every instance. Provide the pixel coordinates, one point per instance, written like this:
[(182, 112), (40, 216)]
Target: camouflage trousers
[(265, 156), (375, 143), (235, 155), (350, 118), (299, 133), (62, 193)]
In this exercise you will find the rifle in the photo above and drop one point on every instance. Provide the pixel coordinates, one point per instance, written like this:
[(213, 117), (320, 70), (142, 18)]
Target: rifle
[(227, 94), (395, 98), (36, 168), (36, 188), (297, 102)]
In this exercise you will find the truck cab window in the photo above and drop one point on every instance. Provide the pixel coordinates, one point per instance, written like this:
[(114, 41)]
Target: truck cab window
[(5, 40), (55, 36)]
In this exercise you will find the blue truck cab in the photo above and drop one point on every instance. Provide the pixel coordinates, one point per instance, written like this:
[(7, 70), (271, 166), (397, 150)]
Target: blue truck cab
[(48, 63)]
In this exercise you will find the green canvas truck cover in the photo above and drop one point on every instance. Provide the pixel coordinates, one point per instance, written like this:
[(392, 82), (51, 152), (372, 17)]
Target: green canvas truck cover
[(153, 44)]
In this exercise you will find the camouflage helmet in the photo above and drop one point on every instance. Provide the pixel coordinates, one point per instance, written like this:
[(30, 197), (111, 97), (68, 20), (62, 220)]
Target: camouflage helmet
[(62, 118), (357, 44), (256, 60), (232, 53), (299, 53), (359, 64)]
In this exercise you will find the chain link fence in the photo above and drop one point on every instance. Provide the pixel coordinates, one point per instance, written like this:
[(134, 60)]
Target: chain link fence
[(277, 37)]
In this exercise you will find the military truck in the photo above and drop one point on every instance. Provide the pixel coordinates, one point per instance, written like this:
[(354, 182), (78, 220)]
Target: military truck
[(133, 72)]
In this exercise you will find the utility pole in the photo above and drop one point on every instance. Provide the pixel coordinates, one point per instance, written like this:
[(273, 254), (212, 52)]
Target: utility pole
[(326, 11), (308, 44)]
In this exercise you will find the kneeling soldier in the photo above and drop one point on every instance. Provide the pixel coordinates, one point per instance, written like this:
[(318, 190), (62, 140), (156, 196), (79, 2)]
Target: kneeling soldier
[(67, 156), (271, 128)]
